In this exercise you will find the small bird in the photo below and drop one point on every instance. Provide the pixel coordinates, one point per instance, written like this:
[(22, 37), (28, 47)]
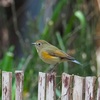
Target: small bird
[(51, 54)]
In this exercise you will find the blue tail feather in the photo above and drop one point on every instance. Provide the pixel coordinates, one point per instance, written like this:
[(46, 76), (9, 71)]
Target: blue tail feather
[(77, 62)]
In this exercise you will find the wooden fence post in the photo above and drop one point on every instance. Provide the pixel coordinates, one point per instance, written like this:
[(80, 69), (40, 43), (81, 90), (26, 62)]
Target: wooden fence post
[(98, 89), (89, 88), (19, 75), (78, 88), (66, 86), (6, 85), (41, 86), (50, 86)]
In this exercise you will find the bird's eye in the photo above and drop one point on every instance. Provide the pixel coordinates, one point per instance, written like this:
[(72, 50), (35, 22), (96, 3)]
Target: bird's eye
[(39, 44)]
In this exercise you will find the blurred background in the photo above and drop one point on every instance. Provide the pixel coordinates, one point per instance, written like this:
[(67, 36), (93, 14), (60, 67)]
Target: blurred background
[(71, 25)]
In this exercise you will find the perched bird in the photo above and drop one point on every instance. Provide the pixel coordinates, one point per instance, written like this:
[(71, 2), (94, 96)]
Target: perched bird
[(51, 54)]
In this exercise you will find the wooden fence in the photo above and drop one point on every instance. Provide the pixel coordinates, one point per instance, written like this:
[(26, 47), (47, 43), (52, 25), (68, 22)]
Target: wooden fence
[(73, 87), (7, 85)]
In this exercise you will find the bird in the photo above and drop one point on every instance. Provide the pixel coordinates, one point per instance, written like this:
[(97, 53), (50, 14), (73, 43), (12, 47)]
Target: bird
[(52, 55)]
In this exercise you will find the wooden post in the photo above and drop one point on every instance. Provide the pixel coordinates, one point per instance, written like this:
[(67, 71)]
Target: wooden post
[(78, 88), (6, 85), (50, 86), (98, 89), (19, 75), (89, 88), (41, 86), (66, 86)]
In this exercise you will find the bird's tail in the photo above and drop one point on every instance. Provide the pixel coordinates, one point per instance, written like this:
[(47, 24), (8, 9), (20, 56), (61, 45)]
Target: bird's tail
[(77, 62)]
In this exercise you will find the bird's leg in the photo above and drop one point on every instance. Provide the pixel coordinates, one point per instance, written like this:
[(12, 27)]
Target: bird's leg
[(53, 68)]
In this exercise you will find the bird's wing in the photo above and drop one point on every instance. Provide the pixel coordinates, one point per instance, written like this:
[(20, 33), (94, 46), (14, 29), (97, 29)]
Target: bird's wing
[(60, 54)]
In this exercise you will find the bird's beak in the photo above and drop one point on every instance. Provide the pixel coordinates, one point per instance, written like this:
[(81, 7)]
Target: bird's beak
[(33, 43)]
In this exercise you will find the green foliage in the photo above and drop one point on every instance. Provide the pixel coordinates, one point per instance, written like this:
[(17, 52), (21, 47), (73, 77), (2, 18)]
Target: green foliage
[(53, 20), (7, 61)]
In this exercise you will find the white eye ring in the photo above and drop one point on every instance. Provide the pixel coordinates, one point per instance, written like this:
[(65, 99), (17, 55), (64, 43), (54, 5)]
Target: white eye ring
[(39, 44)]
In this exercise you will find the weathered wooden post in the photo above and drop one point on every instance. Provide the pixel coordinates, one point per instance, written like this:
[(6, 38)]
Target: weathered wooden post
[(6, 85), (41, 86), (78, 88), (98, 89), (66, 86), (50, 86), (89, 88), (19, 76)]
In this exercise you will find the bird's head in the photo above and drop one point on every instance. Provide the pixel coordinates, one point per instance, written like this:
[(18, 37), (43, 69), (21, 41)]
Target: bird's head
[(40, 44)]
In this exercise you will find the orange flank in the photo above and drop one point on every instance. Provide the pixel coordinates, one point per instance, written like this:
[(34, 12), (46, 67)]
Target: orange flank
[(46, 57)]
